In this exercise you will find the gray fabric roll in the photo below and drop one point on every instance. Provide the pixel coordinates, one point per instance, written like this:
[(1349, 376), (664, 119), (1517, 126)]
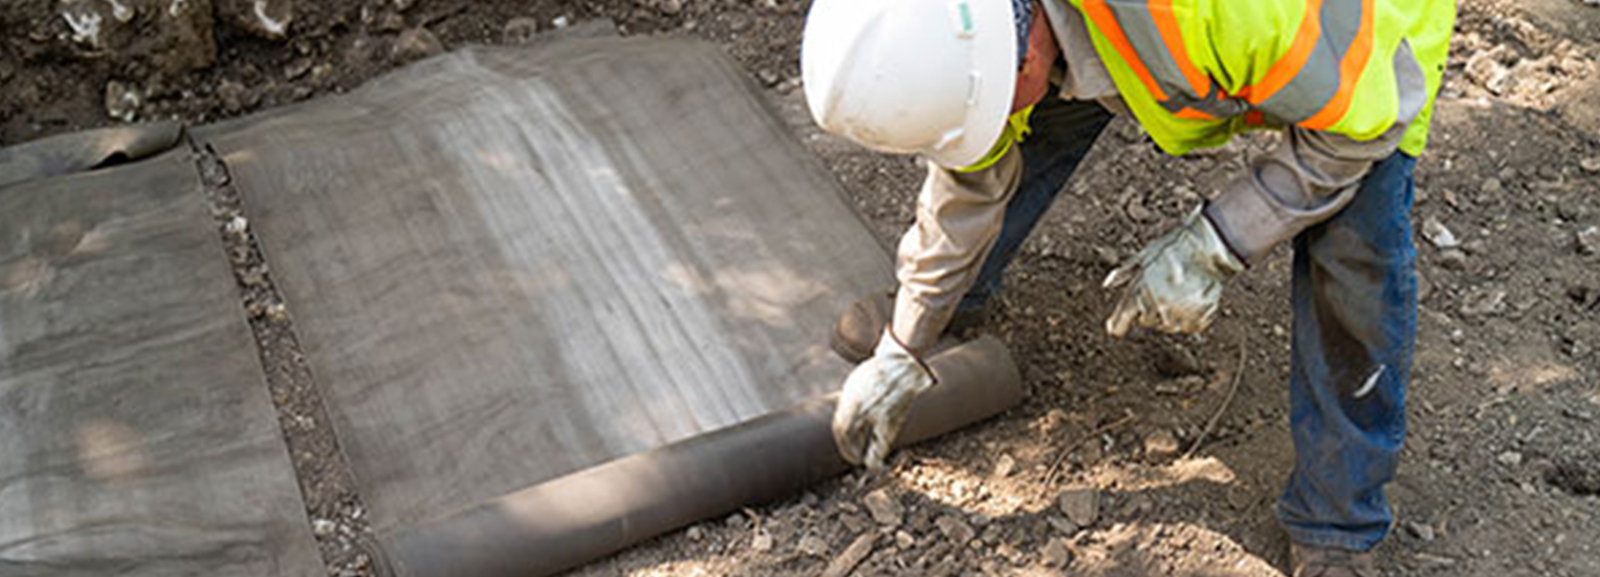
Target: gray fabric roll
[(586, 515)]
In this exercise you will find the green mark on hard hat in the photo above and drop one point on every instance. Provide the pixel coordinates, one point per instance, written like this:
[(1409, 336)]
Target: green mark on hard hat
[(966, 17)]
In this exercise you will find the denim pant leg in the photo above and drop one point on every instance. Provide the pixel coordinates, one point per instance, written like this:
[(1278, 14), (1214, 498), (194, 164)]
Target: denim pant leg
[(1355, 327), (1062, 133)]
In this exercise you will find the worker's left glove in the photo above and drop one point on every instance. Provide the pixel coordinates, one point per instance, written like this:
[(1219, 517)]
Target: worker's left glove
[(1174, 284), (876, 397)]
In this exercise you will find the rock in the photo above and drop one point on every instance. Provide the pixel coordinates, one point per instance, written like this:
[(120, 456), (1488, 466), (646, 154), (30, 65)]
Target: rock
[(885, 509), (323, 527), (262, 18), (812, 545), (560, 22), (415, 44), (390, 22), (232, 94), (299, 67), (1592, 164), (1453, 259), (669, 7), (954, 529), (1588, 240), (519, 30), (1488, 72), (1082, 506), (695, 533), (403, 5), (1510, 459), (1177, 360), (1419, 530), (852, 556), (122, 101), (1438, 234), (1161, 443), (1062, 525), (171, 35), (904, 540), (1484, 303), (1004, 466), (1056, 553), (761, 542)]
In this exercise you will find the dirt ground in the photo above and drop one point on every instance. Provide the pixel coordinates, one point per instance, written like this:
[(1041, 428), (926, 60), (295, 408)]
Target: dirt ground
[(1501, 472)]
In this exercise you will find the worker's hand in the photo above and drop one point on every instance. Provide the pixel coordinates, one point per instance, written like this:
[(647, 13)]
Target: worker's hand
[(1175, 283), (875, 400)]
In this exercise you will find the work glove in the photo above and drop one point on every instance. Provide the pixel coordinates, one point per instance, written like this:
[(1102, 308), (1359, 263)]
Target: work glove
[(876, 397), (1175, 283)]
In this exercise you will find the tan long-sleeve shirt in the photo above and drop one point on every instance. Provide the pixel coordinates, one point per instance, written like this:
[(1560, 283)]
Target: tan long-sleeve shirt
[(1310, 177)]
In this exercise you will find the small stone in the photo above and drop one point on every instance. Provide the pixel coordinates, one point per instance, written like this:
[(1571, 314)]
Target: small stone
[(851, 556), (1004, 466), (954, 529), (1510, 459), (232, 95), (403, 5), (1484, 303), (884, 508), (276, 312), (561, 22), (390, 22), (695, 533), (761, 542), (297, 68), (520, 29), (1588, 240), (1438, 234), (1178, 361), (1419, 530), (323, 527), (1056, 553), (812, 545), (417, 43), (1062, 525), (670, 7), (122, 101), (904, 540), (1082, 506), (1453, 259), (1590, 165), (236, 225), (1161, 443)]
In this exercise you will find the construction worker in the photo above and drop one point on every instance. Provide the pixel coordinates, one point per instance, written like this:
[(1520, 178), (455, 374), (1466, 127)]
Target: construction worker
[(1005, 97)]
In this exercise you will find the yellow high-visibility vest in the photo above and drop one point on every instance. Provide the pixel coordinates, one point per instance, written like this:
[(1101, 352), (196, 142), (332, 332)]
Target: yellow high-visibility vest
[(1197, 72)]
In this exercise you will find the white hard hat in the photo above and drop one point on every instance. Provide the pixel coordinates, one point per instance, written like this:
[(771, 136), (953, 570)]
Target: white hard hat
[(933, 77)]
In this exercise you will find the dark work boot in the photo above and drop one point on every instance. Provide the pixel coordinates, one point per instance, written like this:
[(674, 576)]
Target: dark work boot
[(857, 332)]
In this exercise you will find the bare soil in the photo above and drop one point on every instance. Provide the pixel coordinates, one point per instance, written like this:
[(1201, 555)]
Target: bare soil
[(1501, 474)]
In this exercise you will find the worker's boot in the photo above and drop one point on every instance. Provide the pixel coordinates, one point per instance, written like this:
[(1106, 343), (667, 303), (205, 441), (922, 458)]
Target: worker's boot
[(1309, 561), (856, 334)]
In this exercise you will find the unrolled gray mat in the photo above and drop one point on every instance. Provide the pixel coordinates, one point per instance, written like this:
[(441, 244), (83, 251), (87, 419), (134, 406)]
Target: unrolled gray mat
[(508, 266), (73, 152), (136, 437)]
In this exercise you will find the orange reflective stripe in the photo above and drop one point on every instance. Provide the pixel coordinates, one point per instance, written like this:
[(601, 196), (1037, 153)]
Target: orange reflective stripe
[(1350, 69), (1192, 114), (1172, 36), (1097, 12), (1289, 65)]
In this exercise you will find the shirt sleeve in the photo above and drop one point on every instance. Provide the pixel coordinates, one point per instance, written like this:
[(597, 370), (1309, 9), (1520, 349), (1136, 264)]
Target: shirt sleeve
[(1306, 180), (958, 219)]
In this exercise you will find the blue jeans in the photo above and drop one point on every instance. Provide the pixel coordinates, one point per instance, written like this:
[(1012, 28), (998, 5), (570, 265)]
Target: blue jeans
[(1355, 325)]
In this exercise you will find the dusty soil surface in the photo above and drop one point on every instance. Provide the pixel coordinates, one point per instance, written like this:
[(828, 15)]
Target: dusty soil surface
[(1098, 472)]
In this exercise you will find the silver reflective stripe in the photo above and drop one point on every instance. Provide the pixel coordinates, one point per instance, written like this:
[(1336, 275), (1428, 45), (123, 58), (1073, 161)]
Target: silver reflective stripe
[(1133, 16), (1318, 80)]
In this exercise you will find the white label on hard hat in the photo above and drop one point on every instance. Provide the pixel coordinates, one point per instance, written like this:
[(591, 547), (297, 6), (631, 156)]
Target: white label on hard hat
[(961, 17), (974, 86)]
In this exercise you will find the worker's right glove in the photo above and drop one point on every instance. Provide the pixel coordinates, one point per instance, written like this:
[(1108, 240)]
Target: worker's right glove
[(876, 397), (1174, 284)]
